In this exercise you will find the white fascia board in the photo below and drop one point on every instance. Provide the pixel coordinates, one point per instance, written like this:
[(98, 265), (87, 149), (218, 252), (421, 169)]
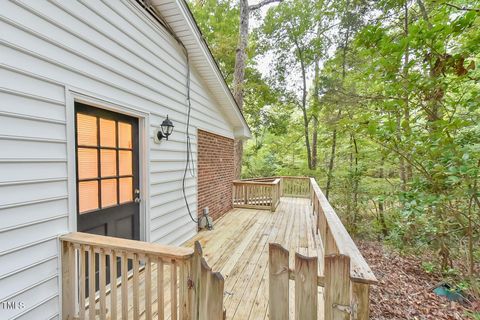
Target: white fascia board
[(245, 133)]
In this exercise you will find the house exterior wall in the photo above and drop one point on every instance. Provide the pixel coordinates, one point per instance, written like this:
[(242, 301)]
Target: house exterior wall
[(215, 173), (111, 51)]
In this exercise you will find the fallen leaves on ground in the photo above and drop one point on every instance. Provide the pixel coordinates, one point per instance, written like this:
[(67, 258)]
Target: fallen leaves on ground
[(404, 289)]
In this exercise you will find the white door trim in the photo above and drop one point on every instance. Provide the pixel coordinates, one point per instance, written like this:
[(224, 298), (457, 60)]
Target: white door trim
[(73, 95)]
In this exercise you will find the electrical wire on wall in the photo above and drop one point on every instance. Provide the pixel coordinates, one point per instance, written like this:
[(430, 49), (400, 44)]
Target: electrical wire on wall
[(189, 154), (189, 144)]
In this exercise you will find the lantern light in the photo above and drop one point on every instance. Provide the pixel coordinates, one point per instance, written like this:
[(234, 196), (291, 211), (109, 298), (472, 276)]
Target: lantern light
[(165, 130)]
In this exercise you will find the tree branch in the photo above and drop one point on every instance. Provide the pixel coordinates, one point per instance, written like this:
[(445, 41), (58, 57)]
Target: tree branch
[(261, 4), (462, 8), (424, 12)]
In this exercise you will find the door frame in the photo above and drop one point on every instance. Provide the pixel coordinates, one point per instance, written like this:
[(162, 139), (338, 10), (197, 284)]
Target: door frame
[(73, 95)]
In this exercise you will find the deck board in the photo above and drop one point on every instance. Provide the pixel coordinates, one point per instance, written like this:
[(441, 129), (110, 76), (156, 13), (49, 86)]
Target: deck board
[(241, 253), (238, 248)]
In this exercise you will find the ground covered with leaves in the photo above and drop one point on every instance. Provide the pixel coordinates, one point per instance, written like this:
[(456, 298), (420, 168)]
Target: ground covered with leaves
[(404, 289)]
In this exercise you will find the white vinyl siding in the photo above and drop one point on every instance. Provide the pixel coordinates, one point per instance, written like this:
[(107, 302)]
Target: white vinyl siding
[(110, 50)]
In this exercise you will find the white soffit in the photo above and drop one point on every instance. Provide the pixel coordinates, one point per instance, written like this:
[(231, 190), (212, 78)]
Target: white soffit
[(178, 16)]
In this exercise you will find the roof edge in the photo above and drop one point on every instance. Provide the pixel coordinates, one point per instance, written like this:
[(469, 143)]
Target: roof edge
[(213, 63)]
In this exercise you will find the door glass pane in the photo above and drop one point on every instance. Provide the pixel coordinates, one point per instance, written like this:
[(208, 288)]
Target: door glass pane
[(87, 163), (124, 135), (108, 165), (109, 192), (107, 133), (126, 190), (86, 130), (125, 166), (87, 196)]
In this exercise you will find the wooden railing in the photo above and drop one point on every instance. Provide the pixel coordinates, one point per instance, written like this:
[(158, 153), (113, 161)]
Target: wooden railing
[(298, 187), (306, 281), (257, 193), (103, 276), (346, 275)]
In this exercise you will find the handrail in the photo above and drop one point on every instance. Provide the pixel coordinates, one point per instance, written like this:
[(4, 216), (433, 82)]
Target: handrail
[(139, 247), (90, 262), (343, 243), (257, 183), (257, 194)]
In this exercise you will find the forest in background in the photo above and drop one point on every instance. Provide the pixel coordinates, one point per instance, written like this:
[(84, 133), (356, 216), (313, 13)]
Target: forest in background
[(379, 101)]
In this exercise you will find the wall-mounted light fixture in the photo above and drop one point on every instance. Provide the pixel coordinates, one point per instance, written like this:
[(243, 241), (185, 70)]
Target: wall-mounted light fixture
[(164, 131)]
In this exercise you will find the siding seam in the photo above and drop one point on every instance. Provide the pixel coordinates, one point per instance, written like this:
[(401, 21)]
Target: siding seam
[(25, 203), (33, 222), (32, 160), (164, 203), (4, 276), (19, 182), (34, 139), (29, 117), (28, 245), (27, 95)]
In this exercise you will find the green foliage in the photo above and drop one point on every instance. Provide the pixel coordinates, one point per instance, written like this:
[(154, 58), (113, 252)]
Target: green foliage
[(407, 159), (218, 20), (397, 94)]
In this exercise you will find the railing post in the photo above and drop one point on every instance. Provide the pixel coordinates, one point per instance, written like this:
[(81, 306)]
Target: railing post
[(202, 292), (215, 296), (195, 281), (306, 291), (361, 300), (185, 306), (273, 197), (278, 282), (337, 287), (245, 192), (329, 245), (68, 281), (281, 187)]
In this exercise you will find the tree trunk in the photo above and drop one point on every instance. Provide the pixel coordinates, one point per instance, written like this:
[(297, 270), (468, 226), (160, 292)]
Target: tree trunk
[(401, 160), (381, 207), (334, 134), (239, 72), (314, 143), (303, 105), (316, 107), (332, 159), (356, 182), (239, 76), (407, 167)]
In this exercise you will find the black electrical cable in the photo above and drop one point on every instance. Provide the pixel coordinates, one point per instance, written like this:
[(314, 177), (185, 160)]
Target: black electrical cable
[(161, 20), (188, 139)]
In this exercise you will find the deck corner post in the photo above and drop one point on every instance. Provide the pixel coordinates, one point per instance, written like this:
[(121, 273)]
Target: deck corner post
[(278, 284), (281, 187), (337, 287), (360, 298), (274, 198), (68, 280)]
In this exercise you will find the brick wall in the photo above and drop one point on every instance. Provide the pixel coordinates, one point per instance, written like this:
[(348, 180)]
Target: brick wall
[(215, 173)]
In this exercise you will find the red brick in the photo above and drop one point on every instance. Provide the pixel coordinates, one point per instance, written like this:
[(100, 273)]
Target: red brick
[(215, 173)]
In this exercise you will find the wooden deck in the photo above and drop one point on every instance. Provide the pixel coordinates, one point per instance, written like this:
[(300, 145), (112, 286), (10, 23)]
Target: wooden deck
[(238, 248), (173, 283)]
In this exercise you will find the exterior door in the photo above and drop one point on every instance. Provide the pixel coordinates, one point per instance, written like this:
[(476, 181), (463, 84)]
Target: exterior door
[(107, 173)]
